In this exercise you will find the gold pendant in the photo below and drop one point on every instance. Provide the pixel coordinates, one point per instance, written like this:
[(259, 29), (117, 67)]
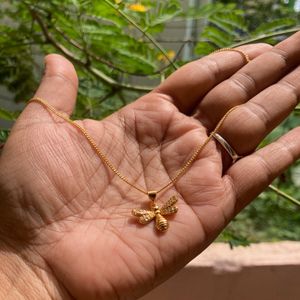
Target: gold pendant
[(145, 216)]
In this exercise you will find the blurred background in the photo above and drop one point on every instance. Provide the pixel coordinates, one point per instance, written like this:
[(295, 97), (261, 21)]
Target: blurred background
[(122, 49)]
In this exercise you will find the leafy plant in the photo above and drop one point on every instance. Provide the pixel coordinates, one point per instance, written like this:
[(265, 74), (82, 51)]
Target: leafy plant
[(226, 25), (114, 43)]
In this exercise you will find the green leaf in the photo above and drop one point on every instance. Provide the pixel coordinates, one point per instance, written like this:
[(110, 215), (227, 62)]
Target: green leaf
[(204, 48), (207, 10), (229, 22), (94, 29), (6, 115), (275, 25), (225, 24), (233, 238), (3, 135), (203, 11), (216, 36), (135, 61), (163, 13)]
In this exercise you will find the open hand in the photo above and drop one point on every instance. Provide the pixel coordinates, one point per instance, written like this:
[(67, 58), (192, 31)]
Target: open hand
[(68, 217)]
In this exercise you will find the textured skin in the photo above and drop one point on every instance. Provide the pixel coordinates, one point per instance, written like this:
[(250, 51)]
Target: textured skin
[(72, 218)]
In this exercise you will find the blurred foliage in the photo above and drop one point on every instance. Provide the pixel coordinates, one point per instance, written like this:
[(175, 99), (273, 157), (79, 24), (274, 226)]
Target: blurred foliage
[(3, 135), (262, 12), (231, 22), (269, 218), (114, 47)]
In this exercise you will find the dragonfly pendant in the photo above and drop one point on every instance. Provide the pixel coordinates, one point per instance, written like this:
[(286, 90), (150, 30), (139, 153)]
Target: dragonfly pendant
[(145, 216)]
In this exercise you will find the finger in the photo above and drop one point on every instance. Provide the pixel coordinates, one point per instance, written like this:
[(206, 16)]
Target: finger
[(190, 83), (258, 74), (248, 125), (251, 175), (58, 87)]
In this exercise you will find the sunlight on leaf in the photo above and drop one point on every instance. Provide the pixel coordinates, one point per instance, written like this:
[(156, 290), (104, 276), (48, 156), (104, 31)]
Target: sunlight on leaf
[(137, 7), (170, 53)]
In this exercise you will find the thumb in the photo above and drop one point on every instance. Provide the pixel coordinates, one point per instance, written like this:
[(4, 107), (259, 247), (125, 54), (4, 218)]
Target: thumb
[(58, 87)]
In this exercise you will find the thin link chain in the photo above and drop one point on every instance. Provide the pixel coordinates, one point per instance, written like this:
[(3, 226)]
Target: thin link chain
[(108, 163), (245, 55), (90, 140), (197, 151)]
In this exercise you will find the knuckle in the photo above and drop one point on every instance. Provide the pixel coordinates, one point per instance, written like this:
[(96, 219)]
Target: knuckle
[(288, 152), (291, 88), (243, 118), (210, 67), (244, 82), (256, 46), (267, 169), (281, 54), (264, 46), (259, 112), (244, 137)]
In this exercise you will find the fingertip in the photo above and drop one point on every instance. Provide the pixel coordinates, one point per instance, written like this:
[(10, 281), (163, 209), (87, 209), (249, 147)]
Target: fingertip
[(58, 64), (59, 83)]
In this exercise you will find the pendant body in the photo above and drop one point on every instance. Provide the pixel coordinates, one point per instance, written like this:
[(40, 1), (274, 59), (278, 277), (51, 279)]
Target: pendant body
[(145, 216), (161, 223)]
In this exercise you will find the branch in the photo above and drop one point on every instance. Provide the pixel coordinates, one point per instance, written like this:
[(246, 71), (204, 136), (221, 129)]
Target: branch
[(97, 73), (106, 62), (266, 36), (284, 195), (147, 35), (92, 55)]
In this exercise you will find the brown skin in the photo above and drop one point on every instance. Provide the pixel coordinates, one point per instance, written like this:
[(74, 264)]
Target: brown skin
[(65, 224)]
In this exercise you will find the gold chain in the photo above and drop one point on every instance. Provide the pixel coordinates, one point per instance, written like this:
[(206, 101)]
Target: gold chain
[(245, 55), (108, 163)]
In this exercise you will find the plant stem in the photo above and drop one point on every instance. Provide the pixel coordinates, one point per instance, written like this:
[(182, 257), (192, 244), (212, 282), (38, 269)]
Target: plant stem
[(284, 195), (106, 62), (149, 37), (266, 36), (97, 73)]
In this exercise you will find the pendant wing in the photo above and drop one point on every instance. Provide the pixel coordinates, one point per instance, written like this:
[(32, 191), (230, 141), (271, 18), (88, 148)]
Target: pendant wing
[(169, 207), (144, 216)]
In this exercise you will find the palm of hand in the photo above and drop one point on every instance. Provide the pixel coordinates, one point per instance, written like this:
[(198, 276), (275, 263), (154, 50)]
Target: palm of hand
[(68, 207), (88, 206)]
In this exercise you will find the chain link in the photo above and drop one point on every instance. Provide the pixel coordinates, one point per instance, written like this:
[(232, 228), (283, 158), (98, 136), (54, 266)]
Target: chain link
[(245, 55)]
